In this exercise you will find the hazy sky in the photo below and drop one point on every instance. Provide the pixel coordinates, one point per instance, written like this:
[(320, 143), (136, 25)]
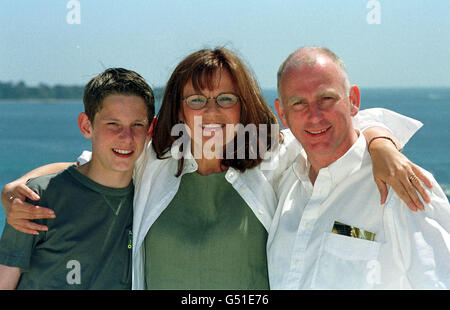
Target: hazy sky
[(410, 47)]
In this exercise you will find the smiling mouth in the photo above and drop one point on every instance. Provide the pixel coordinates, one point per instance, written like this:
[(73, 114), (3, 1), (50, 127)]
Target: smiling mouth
[(122, 152), (212, 127), (318, 132)]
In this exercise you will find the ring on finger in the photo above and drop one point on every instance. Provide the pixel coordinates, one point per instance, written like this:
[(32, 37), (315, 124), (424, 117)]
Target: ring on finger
[(11, 198), (413, 178)]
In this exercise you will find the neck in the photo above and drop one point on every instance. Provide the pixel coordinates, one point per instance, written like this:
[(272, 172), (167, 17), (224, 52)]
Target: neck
[(109, 178), (209, 166)]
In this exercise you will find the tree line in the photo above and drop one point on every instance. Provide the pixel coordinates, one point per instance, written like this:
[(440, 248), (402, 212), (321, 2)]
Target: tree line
[(19, 90)]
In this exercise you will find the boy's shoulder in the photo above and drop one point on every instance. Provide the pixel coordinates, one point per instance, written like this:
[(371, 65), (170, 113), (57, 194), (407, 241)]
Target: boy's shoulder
[(58, 179)]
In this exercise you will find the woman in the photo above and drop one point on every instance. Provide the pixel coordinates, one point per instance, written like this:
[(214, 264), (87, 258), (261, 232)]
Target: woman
[(201, 221)]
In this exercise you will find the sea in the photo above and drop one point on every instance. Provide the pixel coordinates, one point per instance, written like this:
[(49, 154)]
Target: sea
[(38, 132)]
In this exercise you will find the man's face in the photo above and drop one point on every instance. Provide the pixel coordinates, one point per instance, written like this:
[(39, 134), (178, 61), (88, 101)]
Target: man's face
[(315, 106), (118, 133)]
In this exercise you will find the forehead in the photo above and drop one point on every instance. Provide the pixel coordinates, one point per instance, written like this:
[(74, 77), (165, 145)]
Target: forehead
[(123, 107), (218, 80), (318, 76)]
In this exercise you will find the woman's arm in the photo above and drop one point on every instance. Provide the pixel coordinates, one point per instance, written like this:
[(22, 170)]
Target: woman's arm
[(18, 212), (392, 167)]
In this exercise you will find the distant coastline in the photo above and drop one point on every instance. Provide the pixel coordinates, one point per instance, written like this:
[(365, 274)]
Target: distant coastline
[(20, 91)]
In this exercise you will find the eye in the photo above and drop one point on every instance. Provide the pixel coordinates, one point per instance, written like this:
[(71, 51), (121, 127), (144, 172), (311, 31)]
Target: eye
[(298, 104)]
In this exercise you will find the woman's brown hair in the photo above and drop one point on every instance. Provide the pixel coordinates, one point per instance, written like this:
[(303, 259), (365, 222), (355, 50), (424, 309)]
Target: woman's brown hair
[(200, 67)]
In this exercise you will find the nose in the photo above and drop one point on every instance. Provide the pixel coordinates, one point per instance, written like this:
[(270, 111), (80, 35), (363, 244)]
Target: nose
[(314, 112), (126, 133), (211, 105)]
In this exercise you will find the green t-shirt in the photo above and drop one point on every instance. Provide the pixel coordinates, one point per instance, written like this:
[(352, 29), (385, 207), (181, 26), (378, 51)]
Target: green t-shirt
[(206, 238), (87, 245)]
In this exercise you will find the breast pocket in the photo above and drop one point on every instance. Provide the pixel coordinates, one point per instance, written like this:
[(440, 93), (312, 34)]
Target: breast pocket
[(346, 263)]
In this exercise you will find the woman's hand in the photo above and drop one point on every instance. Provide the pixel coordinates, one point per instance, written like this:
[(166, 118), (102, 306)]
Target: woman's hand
[(392, 167), (18, 212)]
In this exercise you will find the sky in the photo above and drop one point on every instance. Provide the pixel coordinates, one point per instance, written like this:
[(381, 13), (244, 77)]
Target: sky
[(395, 43)]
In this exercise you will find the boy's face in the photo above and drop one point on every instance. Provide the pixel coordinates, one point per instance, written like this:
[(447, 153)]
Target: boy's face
[(118, 134)]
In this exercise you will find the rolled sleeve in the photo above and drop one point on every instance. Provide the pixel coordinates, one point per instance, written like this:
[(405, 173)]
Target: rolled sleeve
[(402, 127)]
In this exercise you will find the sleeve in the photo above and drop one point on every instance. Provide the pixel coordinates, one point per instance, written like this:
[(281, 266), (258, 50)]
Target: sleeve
[(402, 127), (279, 159), (15, 248), (423, 239), (84, 157)]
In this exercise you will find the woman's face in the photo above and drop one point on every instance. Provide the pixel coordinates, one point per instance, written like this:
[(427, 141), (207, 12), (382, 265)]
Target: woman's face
[(208, 125)]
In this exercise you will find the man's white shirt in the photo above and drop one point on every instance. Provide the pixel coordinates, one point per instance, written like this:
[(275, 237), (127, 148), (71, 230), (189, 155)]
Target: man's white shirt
[(411, 249)]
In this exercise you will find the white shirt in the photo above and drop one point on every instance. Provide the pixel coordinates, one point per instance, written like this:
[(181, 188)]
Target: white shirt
[(156, 184), (411, 249)]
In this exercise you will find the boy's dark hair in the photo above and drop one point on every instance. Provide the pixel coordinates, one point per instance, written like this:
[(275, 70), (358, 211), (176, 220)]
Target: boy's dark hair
[(116, 81)]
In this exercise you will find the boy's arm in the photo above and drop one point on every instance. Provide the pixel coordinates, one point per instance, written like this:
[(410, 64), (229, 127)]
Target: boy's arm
[(9, 277), (18, 212)]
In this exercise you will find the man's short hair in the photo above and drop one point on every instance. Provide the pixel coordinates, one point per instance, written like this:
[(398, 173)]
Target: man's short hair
[(308, 55), (116, 81)]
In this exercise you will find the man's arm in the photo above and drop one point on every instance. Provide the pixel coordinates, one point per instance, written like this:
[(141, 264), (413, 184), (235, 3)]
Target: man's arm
[(422, 239), (9, 277), (18, 212)]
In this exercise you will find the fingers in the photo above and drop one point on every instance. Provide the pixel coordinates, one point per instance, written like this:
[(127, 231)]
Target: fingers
[(27, 227), (27, 211), (411, 190), (382, 188), (23, 191), (404, 194)]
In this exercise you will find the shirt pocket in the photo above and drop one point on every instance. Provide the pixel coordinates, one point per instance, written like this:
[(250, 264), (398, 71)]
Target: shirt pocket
[(345, 263)]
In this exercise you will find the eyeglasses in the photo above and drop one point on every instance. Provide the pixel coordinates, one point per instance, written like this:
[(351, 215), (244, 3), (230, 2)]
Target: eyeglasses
[(224, 100)]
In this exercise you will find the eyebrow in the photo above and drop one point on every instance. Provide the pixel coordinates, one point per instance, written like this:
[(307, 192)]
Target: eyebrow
[(118, 120)]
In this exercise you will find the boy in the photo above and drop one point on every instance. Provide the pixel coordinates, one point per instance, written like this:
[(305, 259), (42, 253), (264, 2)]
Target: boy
[(88, 244)]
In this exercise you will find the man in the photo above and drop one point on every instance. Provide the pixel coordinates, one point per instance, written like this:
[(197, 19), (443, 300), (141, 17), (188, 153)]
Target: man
[(88, 245), (329, 230)]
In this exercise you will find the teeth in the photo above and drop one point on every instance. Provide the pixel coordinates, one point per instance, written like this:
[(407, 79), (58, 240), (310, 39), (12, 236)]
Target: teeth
[(211, 125), (317, 132), (124, 152)]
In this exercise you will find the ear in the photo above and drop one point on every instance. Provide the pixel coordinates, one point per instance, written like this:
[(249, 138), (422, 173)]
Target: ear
[(152, 127), (354, 99), (280, 111), (85, 125)]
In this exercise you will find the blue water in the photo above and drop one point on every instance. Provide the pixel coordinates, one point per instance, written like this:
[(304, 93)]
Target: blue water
[(34, 133)]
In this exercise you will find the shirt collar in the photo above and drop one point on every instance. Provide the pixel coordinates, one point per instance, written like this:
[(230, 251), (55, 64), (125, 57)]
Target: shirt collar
[(346, 165), (190, 165)]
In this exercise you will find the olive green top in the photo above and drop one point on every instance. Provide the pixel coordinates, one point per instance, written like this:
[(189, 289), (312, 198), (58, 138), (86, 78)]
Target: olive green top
[(87, 245), (206, 238)]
